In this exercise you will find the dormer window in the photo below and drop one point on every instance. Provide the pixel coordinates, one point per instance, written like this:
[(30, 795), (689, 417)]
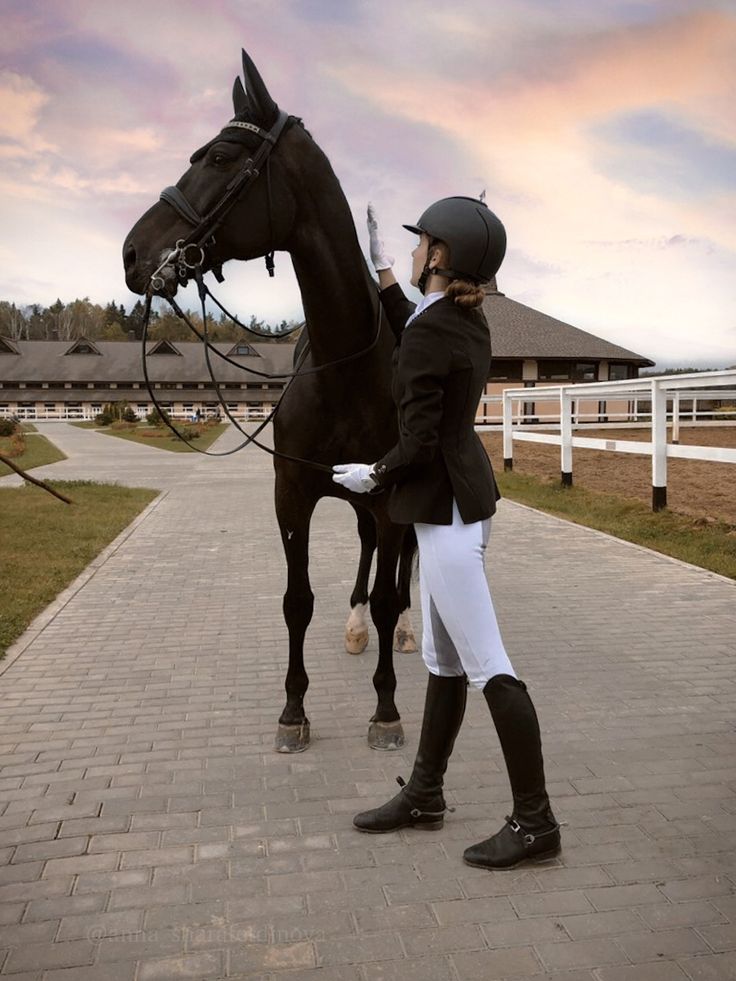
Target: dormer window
[(6, 347), (242, 349), (83, 346), (164, 347)]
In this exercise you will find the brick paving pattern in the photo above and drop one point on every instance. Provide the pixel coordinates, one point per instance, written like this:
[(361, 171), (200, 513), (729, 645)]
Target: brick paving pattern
[(149, 831)]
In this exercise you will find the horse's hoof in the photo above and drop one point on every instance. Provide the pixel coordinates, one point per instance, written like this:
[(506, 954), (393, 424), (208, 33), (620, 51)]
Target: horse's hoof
[(404, 642), (385, 735), (356, 641), (292, 739)]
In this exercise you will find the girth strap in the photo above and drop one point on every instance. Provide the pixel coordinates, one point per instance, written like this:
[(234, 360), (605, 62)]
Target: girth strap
[(174, 197)]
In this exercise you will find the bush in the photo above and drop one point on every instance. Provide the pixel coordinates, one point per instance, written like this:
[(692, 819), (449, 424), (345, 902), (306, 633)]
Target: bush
[(103, 419), (119, 410), (188, 432), (157, 417), (7, 427), (121, 424)]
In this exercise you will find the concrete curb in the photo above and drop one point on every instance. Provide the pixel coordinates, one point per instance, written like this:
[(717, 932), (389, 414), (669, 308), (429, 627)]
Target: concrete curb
[(623, 541), (47, 615)]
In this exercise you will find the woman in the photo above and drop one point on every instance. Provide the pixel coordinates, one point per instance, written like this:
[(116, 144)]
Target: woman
[(441, 480)]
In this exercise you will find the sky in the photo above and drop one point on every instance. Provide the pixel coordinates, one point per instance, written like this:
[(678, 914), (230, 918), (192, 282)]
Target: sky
[(603, 133)]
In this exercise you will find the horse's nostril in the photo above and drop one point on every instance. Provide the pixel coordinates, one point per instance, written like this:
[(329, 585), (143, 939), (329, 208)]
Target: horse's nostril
[(129, 257)]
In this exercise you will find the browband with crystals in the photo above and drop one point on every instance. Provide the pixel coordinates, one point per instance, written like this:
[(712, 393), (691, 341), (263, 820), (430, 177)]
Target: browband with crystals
[(237, 124)]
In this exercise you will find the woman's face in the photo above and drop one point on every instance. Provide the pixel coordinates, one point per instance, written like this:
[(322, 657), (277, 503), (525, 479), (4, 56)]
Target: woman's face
[(419, 259)]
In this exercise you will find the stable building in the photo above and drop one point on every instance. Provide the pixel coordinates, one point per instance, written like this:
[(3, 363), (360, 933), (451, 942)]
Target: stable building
[(532, 350), (74, 379)]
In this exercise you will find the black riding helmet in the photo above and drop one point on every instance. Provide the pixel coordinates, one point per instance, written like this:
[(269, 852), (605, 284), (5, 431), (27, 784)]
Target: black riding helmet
[(475, 236)]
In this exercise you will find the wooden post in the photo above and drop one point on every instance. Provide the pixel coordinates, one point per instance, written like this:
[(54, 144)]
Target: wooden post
[(508, 435), (675, 417), (659, 447), (565, 437)]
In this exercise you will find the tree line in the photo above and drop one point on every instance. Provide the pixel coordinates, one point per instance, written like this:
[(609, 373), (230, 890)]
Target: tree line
[(111, 322)]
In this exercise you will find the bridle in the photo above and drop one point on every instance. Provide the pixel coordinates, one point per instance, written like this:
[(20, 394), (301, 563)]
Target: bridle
[(189, 253), (188, 258)]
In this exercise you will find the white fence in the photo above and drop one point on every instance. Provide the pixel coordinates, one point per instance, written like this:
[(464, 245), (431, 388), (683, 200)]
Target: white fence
[(659, 391), (86, 414)]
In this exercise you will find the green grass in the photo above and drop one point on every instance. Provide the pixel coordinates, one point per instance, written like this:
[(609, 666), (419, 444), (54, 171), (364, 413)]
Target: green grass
[(163, 439), (705, 543), (39, 452), (46, 544)]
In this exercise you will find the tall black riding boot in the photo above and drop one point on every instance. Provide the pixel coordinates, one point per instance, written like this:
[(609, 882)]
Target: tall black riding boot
[(420, 803), (531, 831)]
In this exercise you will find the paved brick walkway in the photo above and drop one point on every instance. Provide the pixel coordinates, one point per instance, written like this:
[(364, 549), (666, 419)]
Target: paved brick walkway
[(148, 831)]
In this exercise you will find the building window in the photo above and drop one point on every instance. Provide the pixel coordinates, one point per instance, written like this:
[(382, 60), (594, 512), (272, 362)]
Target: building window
[(244, 350), (504, 369), (620, 372), (585, 371), (553, 370)]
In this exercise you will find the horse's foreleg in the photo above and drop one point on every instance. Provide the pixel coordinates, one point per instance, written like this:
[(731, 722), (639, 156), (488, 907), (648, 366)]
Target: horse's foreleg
[(356, 629), (294, 514), (404, 640), (385, 731)]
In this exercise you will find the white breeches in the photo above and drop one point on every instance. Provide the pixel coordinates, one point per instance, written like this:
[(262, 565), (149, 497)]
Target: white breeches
[(461, 632)]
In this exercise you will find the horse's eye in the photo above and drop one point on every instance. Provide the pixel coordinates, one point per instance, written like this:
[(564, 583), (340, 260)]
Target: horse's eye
[(220, 158)]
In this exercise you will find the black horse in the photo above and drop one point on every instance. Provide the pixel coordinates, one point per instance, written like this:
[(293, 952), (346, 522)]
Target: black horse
[(332, 413)]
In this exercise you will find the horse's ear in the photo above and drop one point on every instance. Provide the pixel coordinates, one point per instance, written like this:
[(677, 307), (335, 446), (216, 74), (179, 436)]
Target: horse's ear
[(260, 101), (240, 99)]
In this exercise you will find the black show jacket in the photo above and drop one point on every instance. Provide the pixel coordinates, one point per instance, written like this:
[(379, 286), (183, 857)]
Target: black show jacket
[(440, 368)]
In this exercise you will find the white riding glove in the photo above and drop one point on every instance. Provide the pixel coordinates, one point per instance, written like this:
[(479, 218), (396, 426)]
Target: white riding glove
[(355, 477), (378, 253)]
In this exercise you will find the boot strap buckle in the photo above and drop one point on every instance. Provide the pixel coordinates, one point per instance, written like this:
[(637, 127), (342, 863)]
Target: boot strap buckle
[(529, 839)]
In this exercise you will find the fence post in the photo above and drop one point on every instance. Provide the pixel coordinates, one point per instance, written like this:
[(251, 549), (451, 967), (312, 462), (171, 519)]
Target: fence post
[(659, 447), (508, 434), (675, 417), (565, 438)]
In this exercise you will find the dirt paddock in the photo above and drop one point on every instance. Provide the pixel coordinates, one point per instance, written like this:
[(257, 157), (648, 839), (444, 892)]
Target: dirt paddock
[(694, 487)]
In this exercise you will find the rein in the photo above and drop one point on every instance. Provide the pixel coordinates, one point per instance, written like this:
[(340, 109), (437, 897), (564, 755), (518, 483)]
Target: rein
[(204, 292)]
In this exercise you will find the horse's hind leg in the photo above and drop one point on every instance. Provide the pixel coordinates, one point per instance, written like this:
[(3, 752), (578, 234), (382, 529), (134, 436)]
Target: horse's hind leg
[(356, 629), (294, 513), (404, 640), (385, 731)]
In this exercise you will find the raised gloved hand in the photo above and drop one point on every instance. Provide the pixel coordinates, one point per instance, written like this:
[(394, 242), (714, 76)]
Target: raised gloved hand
[(354, 477), (378, 253)]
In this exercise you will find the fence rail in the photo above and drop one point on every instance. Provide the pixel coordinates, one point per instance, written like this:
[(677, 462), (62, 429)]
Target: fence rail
[(29, 414), (659, 391)]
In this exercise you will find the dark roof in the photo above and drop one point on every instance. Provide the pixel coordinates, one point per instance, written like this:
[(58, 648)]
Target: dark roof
[(120, 361), (518, 331)]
